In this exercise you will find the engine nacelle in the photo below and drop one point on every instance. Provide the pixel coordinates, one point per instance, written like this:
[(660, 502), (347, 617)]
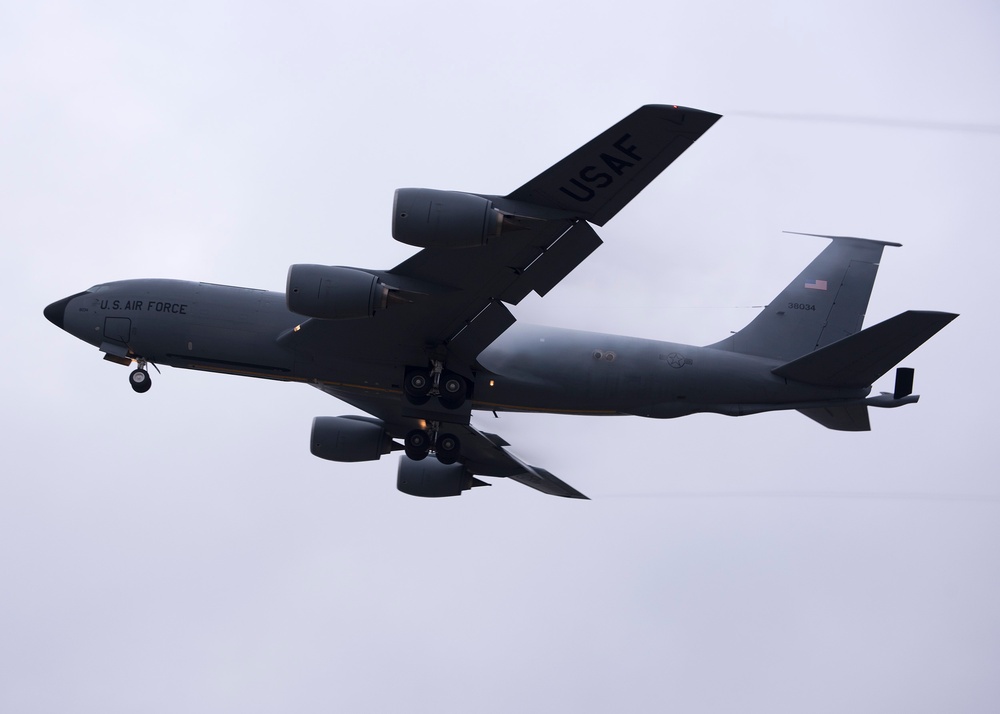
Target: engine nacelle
[(331, 292), (430, 478), (349, 438), (427, 217)]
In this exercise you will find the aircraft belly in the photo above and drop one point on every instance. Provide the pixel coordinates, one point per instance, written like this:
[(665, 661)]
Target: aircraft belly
[(547, 369)]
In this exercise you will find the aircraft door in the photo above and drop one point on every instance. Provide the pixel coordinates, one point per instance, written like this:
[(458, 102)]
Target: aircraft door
[(118, 329)]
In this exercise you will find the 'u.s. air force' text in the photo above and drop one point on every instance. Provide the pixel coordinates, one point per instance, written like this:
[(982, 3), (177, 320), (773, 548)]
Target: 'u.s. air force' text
[(590, 179), (177, 308)]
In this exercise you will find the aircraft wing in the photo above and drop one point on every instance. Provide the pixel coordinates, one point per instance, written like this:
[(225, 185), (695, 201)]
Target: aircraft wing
[(487, 453), (482, 453), (597, 180), (590, 185), (458, 296)]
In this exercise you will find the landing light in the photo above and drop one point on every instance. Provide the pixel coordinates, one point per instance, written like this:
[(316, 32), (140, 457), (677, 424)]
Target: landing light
[(296, 328)]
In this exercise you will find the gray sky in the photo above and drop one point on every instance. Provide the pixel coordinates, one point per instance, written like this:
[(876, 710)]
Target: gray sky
[(183, 551)]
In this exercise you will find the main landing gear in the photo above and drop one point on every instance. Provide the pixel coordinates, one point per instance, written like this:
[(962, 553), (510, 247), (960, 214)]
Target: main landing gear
[(418, 444), (452, 390), (420, 384)]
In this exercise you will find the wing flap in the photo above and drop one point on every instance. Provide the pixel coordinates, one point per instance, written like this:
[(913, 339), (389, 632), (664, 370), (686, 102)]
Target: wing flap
[(479, 332), (562, 257)]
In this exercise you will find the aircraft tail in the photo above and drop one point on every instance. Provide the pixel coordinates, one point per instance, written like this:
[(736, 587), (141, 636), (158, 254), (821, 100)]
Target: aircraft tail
[(857, 361), (824, 304)]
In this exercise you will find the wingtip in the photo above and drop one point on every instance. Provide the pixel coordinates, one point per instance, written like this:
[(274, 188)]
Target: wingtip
[(681, 108), (866, 240)]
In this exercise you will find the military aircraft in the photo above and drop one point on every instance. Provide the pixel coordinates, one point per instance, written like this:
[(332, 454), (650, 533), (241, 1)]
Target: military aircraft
[(422, 345)]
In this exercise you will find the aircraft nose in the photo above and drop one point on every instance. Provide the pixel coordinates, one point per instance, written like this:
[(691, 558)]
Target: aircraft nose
[(56, 312)]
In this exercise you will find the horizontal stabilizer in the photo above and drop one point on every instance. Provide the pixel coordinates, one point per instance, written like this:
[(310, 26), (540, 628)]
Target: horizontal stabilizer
[(846, 418), (857, 361)]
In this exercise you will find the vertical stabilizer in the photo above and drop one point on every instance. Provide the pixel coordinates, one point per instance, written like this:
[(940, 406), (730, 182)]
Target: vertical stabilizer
[(825, 303)]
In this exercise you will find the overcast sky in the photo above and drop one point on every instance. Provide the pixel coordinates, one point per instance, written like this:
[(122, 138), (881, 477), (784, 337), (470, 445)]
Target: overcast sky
[(181, 551)]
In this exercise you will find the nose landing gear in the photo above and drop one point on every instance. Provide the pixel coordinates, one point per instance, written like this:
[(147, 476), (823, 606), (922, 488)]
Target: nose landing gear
[(139, 378)]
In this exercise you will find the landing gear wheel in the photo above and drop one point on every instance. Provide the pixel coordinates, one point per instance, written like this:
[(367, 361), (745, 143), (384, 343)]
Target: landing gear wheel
[(417, 443), (453, 390), (417, 386), (448, 447), (140, 381)]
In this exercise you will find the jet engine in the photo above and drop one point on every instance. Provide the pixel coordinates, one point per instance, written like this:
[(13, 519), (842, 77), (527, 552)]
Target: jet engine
[(427, 217), (430, 478), (331, 292), (349, 438)]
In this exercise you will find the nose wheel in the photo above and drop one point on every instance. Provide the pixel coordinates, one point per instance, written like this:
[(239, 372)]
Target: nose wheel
[(139, 378), (140, 381)]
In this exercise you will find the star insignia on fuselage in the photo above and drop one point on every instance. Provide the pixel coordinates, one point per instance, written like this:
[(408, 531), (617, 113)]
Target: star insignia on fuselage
[(676, 360)]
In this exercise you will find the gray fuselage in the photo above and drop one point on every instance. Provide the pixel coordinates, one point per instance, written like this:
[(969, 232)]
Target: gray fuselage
[(529, 368)]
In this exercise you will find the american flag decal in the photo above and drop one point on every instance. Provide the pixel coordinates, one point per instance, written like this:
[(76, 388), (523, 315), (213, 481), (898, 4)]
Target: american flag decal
[(817, 285)]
